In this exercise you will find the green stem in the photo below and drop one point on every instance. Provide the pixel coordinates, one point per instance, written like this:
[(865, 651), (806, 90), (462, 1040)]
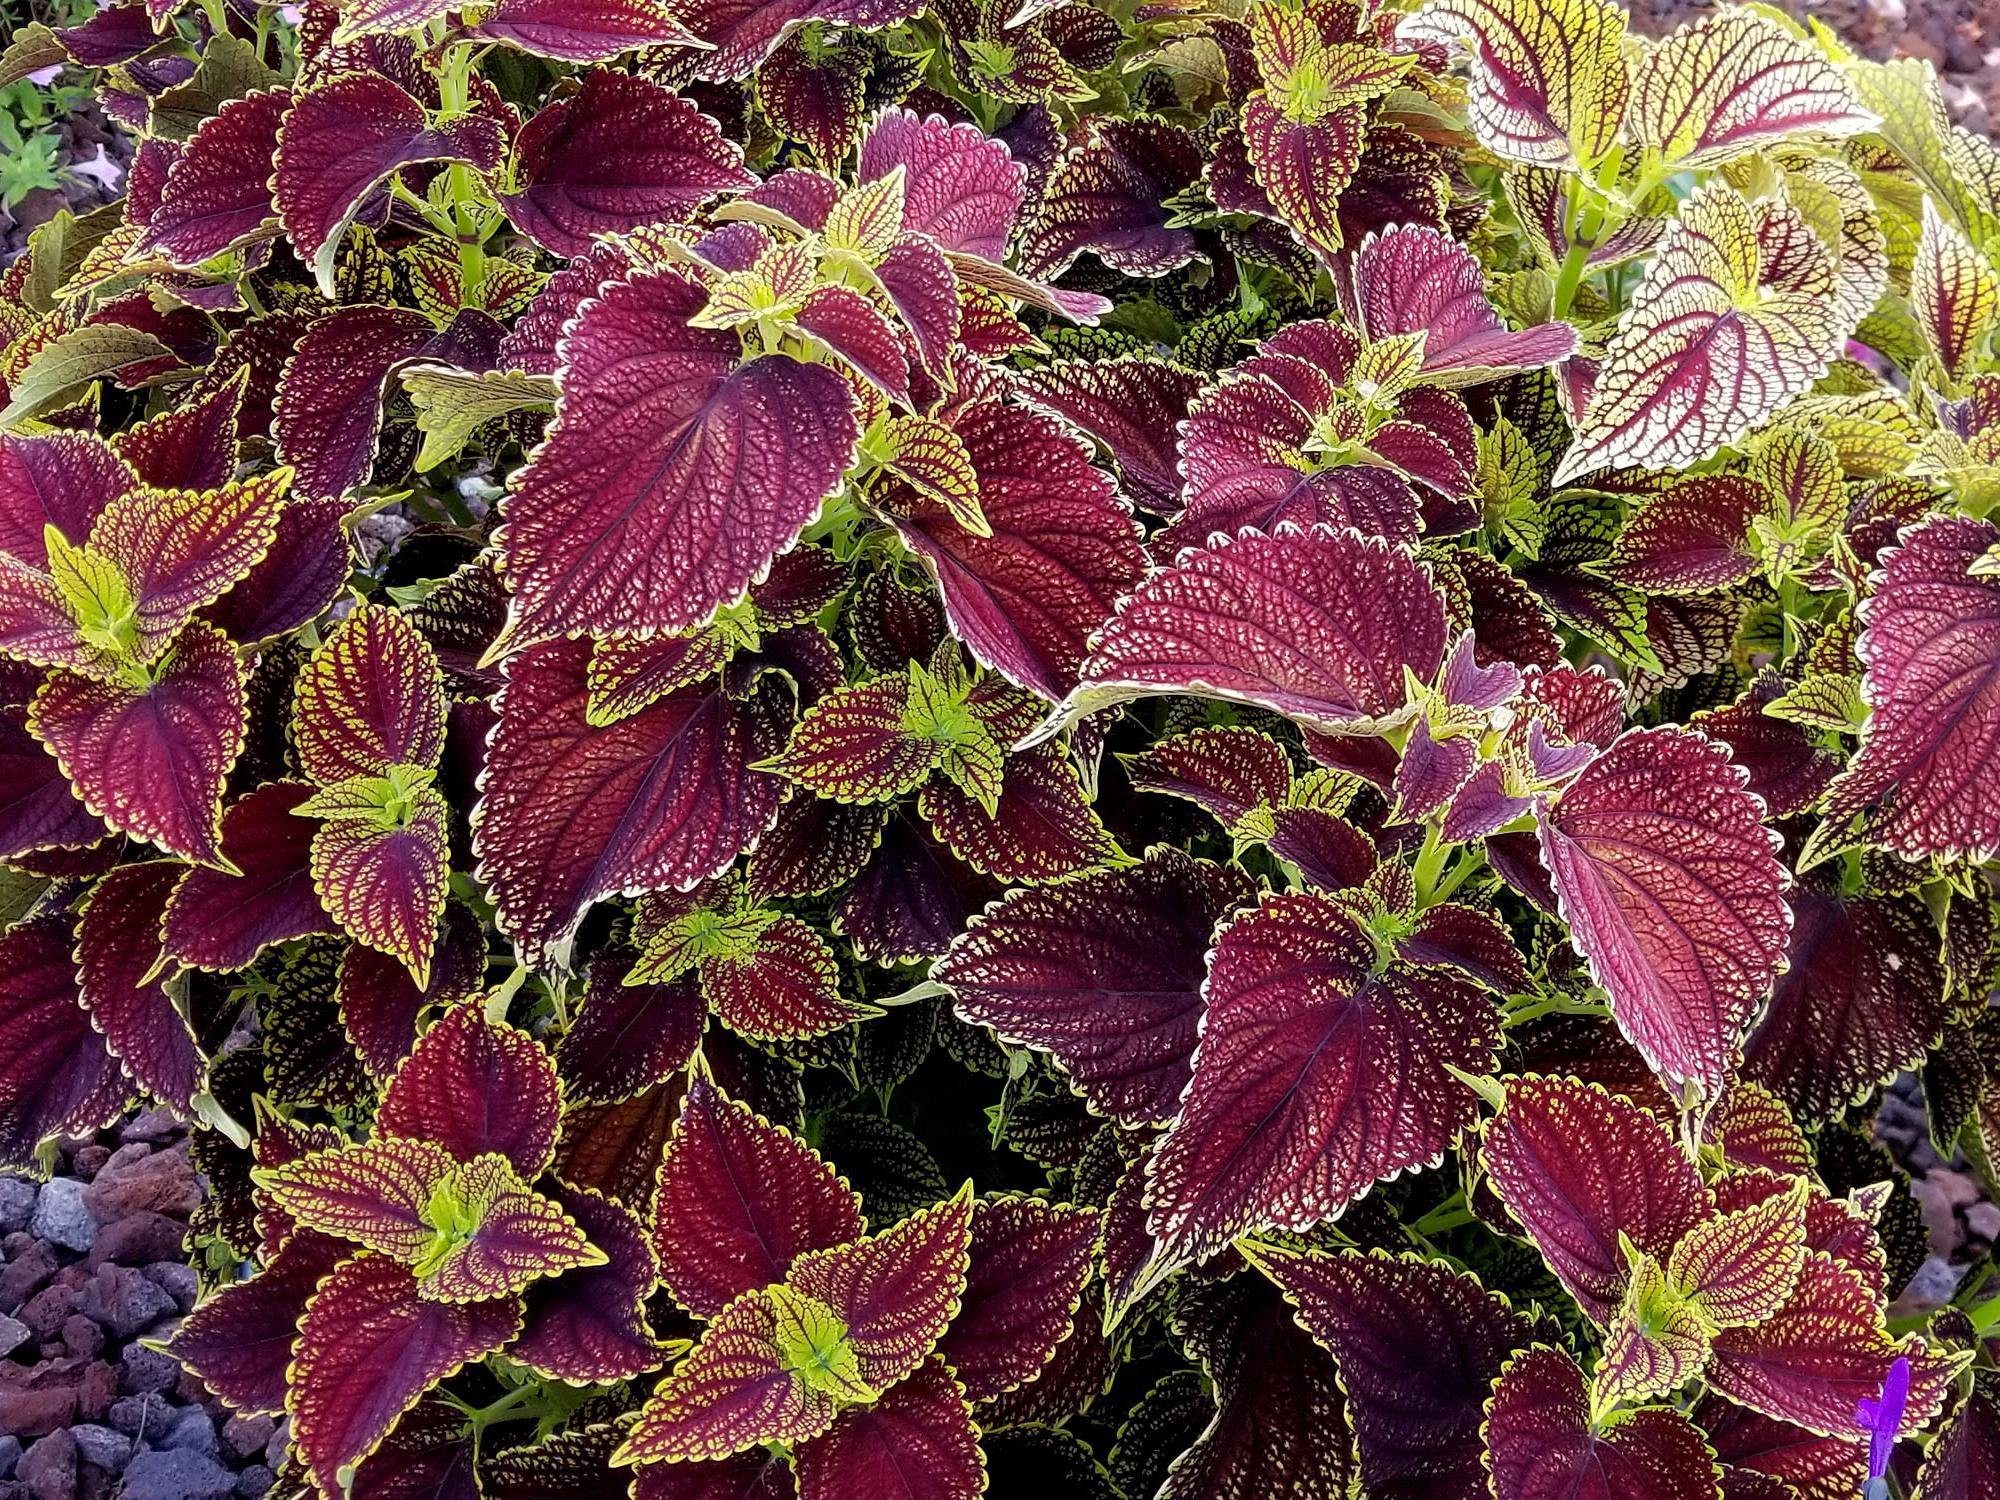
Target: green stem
[(1430, 862)]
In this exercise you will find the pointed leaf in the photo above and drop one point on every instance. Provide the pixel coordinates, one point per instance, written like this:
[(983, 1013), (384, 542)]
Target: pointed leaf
[(670, 480), (219, 191), (375, 1193), (628, 1037), (1042, 828), (238, 1342), (581, 31), (1109, 196), (56, 1075), (960, 187), (783, 986), (329, 401), (380, 1003), (589, 1325), (1029, 1260), (916, 1443), (1411, 279), (1674, 896), (1692, 537), (1047, 968), (476, 1086), (1545, 1446), (151, 761), (1280, 1127), (221, 919), (740, 1200), (371, 697), (117, 948), (386, 887), (1134, 407), (1740, 1267), (498, 1237), (620, 152)]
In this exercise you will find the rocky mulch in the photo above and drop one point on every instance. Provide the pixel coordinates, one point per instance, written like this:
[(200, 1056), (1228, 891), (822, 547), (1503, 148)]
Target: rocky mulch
[(1963, 1221), (92, 1269)]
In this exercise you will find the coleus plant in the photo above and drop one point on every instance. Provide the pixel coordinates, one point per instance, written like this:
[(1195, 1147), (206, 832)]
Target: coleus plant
[(914, 750)]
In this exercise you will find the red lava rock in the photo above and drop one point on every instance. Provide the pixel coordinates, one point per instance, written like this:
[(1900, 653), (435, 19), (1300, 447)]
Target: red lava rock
[(88, 1161), (245, 1437), (46, 1311), (123, 1301), (137, 1239), (26, 1273), (96, 1391), (39, 1398), (81, 1337), (161, 1182)]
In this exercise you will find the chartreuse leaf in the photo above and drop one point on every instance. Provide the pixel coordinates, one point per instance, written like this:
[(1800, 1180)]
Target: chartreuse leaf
[(814, 1348), (452, 404), (378, 1194), (865, 221), (1739, 1268), (1657, 1341), (1954, 291), (97, 593), (63, 368), (1548, 80), (491, 1235), (1308, 77)]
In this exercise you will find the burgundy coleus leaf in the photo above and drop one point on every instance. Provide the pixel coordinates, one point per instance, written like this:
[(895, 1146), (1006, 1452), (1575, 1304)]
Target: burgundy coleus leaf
[(628, 1037), (1544, 1445), (1063, 548), (380, 1003), (1279, 1422), (297, 580), (756, 1475), (1749, 1443), (851, 326), (1674, 894), (342, 138), (1931, 647), (239, 1341), (1029, 1260), (1043, 827), (1303, 168), (1754, 1129), (1319, 625), (574, 811), (1110, 197), (734, 1391), (1281, 1126), (589, 1324), (581, 31), (961, 187), (368, 1349), (218, 194), (1862, 997), (817, 95), (620, 152), (371, 697), (742, 33), (1842, 1228), (1634, 1183), (911, 898), (1469, 940), (117, 950), (917, 278), (1739, 1267), (1132, 405), (628, 674), (56, 1074), (329, 400), (1419, 1346), (60, 479), (1788, 767), (1104, 972), (151, 759), (1963, 1462), (1691, 538), (917, 1442), (896, 1291), (1225, 770), (739, 1200), (780, 984), (671, 478), (223, 918), (1822, 1353), (476, 1086), (39, 810), (1431, 770), (857, 744), (374, 1193), (191, 446), (384, 884), (1411, 279)]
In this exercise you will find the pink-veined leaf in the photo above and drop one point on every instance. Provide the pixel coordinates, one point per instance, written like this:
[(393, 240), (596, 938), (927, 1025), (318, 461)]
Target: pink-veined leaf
[(1304, 168), (581, 31), (297, 580), (1319, 625), (961, 187), (1862, 997), (152, 760), (340, 139), (1104, 972), (1735, 316), (741, 1199), (371, 697), (369, 1347), (917, 278), (573, 812), (916, 1443), (1674, 894), (56, 1074), (1419, 1346), (1225, 770), (1109, 196), (1732, 82), (380, 1003), (1544, 1444), (1822, 1353), (219, 192), (671, 478), (1633, 1183), (476, 1086), (1931, 647), (1412, 279), (619, 153), (1134, 406), (1029, 1261), (1063, 549), (1042, 828), (589, 1324), (852, 327), (239, 1341), (117, 948), (1287, 1119), (222, 919), (329, 400), (743, 32)]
